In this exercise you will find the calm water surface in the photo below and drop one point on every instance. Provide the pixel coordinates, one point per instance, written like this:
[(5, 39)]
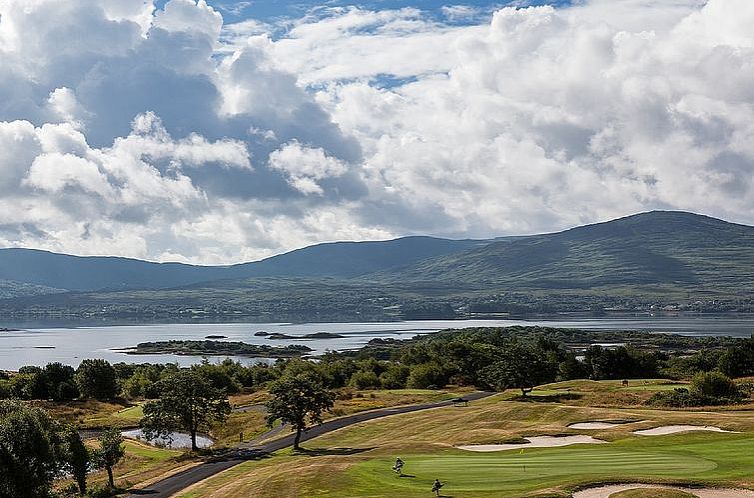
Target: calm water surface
[(175, 440), (38, 345)]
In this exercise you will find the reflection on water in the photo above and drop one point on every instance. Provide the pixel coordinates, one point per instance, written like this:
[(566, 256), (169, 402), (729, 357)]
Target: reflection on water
[(175, 440), (39, 344)]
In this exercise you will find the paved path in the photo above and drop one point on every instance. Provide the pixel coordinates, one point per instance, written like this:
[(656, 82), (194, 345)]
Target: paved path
[(175, 483)]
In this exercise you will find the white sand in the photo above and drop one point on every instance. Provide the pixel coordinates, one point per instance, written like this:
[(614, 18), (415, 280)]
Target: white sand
[(534, 442), (593, 425), (674, 429), (607, 491)]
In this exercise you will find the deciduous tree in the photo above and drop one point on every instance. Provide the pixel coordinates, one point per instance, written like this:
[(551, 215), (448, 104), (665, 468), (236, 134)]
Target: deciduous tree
[(298, 400), (187, 401), (521, 366), (110, 451), (96, 379), (31, 451), (77, 458)]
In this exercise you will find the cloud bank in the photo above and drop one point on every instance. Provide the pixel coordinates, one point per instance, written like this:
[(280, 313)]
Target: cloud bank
[(170, 134)]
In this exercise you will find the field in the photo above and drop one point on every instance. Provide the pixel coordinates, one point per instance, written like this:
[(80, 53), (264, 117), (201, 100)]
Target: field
[(252, 422), (141, 465), (144, 464), (357, 461), (92, 414)]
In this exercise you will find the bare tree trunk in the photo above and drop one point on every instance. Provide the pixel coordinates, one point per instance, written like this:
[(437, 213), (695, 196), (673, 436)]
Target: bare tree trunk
[(82, 486), (194, 447), (110, 477), (297, 439)]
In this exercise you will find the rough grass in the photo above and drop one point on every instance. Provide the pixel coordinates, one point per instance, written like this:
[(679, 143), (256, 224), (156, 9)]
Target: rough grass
[(141, 463), (92, 414), (351, 401), (603, 393), (356, 461), (253, 423), (557, 471)]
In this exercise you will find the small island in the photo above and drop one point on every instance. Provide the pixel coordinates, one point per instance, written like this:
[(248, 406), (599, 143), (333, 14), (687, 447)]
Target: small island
[(218, 348), (316, 335), (261, 333), (278, 336), (4, 329), (322, 335), (216, 337)]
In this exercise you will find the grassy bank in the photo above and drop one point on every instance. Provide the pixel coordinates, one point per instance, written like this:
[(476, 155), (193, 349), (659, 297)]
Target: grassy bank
[(356, 461)]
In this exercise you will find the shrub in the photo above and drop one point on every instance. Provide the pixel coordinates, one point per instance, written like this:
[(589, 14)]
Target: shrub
[(684, 398), (680, 398), (714, 384), (364, 380), (426, 375), (394, 377), (101, 492)]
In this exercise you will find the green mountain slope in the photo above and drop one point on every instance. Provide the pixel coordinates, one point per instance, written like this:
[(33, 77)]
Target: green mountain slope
[(351, 259), (661, 258), (341, 259), (677, 249)]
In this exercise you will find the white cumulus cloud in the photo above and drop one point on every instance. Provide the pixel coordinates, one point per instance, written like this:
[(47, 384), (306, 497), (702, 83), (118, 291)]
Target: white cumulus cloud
[(164, 133)]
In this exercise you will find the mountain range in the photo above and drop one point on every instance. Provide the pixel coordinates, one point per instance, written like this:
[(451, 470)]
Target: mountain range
[(664, 256)]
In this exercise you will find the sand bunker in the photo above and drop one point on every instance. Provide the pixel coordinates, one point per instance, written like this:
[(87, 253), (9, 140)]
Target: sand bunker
[(674, 429), (607, 491), (534, 442)]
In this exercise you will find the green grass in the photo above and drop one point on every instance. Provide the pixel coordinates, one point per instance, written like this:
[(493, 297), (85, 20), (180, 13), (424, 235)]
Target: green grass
[(512, 473), (140, 463), (151, 453), (688, 458), (356, 461), (134, 413)]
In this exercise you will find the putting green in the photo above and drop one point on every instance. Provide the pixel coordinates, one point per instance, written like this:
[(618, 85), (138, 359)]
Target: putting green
[(518, 472), (511, 473)]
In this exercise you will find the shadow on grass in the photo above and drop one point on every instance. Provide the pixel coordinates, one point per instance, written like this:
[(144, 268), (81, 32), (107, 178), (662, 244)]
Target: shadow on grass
[(331, 451), (410, 476), (242, 454), (548, 398)]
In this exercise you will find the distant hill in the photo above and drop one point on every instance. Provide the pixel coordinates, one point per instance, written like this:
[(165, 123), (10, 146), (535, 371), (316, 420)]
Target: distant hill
[(62, 271), (671, 248), (351, 259), (46, 270), (656, 258)]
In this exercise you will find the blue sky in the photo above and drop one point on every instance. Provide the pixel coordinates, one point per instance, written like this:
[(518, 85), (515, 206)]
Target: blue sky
[(275, 10)]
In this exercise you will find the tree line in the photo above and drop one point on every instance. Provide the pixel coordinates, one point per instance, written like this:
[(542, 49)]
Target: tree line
[(489, 358)]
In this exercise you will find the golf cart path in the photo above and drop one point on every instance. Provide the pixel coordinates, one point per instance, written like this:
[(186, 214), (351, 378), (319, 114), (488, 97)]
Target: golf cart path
[(178, 482)]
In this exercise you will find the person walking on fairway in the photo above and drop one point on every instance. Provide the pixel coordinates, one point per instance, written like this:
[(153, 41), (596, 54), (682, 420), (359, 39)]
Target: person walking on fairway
[(398, 467), (436, 487)]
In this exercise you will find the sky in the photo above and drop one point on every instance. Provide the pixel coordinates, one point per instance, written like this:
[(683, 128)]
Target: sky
[(216, 131)]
